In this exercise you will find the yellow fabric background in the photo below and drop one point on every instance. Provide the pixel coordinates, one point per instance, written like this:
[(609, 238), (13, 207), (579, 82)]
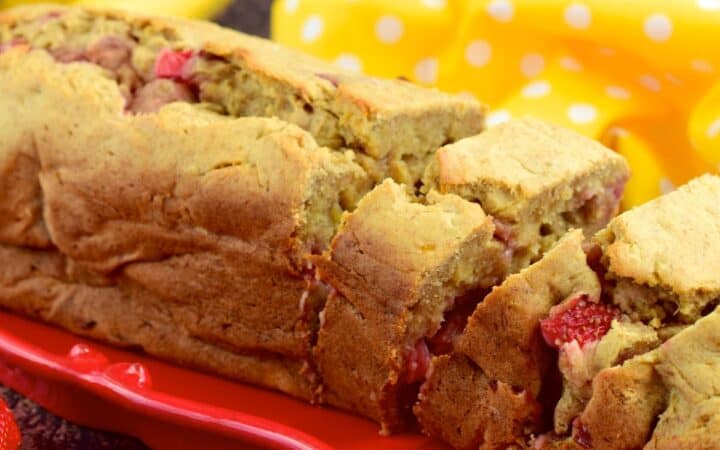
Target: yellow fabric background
[(641, 76)]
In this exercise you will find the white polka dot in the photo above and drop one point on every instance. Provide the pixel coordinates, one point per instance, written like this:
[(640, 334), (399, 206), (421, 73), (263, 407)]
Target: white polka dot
[(581, 113), (501, 10), (650, 82), (389, 29), (537, 89), (477, 53), (713, 130), (426, 70), (708, 5), (435, 4), (658, 27), (666, 186), (701, 65), (349, 62), (577, 15), (497, 117), (617, 92), (312, 28), (291, 5), (571, 64), (532, 64)]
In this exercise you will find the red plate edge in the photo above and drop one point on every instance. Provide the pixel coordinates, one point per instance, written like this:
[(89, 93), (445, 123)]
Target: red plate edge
[(33, 361), (21, 364)]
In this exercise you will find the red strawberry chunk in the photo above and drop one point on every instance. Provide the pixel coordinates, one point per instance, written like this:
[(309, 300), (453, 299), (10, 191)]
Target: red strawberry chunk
[(580, 319), (580, 434), (9, 432), (417, 362), (174, 64), (443, 342), (13, 43)]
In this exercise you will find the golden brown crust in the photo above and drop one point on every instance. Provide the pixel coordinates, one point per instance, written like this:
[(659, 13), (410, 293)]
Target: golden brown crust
[(359, 356), (688, 365), (36, 283), (525, 152), (391, 121), (463, 407), (503, 345), (677, 259), (625, 403)]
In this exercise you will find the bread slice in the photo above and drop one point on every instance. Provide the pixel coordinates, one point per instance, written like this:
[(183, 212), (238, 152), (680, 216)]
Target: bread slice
[(621, 412), (396, 264), (535, 179), (662, 259), (688, 364), (393, 125)]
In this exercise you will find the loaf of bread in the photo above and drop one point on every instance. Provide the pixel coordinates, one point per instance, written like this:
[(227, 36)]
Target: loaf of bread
[(219, 201), (197, 167)]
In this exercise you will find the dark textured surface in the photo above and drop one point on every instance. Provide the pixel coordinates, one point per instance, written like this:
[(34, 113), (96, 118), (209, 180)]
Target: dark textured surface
[(42, 430), (250, 16)]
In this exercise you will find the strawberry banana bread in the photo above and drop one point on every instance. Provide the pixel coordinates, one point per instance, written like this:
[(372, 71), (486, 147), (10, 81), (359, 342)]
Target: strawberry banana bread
[(127, 171), (395, 273)]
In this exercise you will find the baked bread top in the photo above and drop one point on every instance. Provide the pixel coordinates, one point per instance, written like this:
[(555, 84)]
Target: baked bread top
[(177, 181), (395, 124), (512, 164), (670, 244)]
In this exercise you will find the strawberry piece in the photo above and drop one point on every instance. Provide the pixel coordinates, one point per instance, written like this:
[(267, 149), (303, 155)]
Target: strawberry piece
[(579, 319), (580, 434), (174, 64), (417, 362), (9, 432), (13, 43), (443, 342), (504, 231)]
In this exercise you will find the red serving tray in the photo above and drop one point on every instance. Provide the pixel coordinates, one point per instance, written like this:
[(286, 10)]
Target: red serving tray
[(166, 406)]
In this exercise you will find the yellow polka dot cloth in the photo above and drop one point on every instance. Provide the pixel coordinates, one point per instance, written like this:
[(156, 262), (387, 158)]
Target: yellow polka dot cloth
[(641, 76)]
